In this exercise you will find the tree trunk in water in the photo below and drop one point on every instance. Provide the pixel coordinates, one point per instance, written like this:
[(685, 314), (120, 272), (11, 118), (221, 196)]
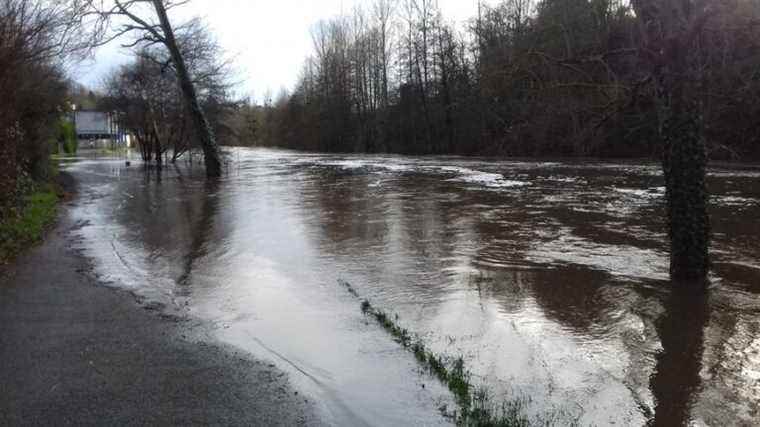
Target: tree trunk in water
[(684, 166), (670, 32), (198, 117)]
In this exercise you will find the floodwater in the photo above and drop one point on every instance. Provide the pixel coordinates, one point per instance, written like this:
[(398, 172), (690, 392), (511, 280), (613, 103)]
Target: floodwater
[(549, 278)]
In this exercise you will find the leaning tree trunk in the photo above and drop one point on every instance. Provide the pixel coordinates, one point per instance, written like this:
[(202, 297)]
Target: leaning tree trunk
[(198, 117)]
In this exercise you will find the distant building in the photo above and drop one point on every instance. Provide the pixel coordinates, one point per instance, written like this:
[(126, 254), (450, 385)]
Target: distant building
[(99, 128), (94, 125)]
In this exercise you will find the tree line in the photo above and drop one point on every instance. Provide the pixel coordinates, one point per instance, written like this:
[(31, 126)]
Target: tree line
[(669, 79), (522, 78)]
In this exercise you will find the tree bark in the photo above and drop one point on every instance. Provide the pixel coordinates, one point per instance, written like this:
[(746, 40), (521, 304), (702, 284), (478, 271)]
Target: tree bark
[(684, 160), (684, 165), (198, 117), (8, 164)]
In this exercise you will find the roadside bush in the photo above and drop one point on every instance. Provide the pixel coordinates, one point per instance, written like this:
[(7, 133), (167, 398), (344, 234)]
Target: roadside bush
[(27, 226), (67, 136), (36, 37)]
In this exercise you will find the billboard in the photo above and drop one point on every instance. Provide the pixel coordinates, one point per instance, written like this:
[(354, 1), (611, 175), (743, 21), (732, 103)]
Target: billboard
[(94, 124)]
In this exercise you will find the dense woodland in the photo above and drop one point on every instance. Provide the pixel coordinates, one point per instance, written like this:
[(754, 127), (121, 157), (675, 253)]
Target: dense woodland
[(523, 78)]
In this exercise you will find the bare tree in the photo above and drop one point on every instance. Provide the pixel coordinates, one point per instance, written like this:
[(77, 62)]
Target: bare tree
[(155, 28), (383, 11), (153, 110), (147, 90)]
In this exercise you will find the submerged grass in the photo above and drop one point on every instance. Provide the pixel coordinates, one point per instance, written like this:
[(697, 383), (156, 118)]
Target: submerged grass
[(476, 406), (21, 229)]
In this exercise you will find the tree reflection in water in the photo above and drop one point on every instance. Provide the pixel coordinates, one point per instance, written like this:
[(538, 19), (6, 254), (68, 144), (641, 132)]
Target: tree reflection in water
[(676, 381), (203, 230)]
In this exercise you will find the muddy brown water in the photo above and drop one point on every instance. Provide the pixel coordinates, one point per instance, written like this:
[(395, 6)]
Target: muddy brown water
[(549, 278)]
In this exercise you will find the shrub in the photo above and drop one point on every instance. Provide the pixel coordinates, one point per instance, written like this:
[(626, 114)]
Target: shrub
[(26, 226), (66, 135)]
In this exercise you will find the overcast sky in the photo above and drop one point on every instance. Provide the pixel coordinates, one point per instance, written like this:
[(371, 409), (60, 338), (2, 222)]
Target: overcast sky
[(268, 39)]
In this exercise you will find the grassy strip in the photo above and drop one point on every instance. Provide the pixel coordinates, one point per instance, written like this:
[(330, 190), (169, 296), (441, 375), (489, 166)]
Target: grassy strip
[(23, 229), (476, 407)]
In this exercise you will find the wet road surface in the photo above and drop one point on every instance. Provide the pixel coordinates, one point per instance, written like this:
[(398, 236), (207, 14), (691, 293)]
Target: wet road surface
[(73, 352)]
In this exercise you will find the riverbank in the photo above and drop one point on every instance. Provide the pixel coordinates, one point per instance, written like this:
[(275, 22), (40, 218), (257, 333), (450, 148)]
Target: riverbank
[(74, 351)]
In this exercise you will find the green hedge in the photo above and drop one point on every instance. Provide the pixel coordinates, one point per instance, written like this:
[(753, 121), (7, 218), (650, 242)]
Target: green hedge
[(25, 228)]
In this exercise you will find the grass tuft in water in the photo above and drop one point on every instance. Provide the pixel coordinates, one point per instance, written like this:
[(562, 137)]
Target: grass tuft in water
[(476, 407), (349, 288)]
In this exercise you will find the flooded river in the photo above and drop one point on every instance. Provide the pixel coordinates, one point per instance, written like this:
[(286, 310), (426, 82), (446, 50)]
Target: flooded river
[(549, 278)]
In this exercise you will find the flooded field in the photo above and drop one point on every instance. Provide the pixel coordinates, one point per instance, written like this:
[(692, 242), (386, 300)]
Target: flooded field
[(549, 278)]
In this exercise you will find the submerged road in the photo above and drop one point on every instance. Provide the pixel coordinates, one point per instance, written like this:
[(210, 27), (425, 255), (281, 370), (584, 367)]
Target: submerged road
[(73, 351), (549, 279)]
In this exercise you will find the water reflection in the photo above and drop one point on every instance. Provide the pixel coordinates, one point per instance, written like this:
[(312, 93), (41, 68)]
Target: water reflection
[(676, 381), (202, 230)]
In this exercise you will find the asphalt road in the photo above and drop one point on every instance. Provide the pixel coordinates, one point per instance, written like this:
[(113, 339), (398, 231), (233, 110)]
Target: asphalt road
[(75, 352)]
